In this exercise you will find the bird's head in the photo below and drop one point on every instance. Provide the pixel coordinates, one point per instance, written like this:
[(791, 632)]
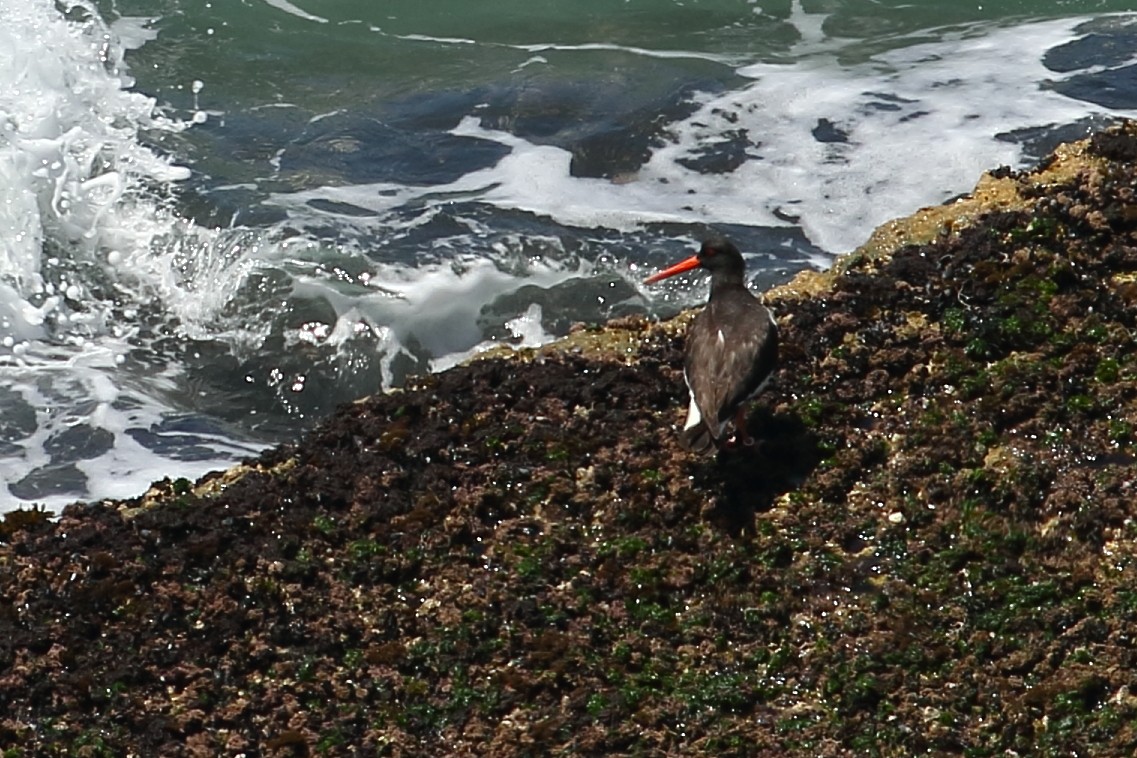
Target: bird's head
[(718, 255)]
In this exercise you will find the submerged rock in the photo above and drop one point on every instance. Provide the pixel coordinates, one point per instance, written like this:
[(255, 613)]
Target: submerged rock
[(931, 550)]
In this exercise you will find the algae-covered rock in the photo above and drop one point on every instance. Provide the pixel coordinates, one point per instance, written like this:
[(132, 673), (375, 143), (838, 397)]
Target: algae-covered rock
[(931, 550)]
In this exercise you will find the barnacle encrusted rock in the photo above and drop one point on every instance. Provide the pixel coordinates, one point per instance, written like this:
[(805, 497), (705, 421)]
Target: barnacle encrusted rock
[(930, 552)]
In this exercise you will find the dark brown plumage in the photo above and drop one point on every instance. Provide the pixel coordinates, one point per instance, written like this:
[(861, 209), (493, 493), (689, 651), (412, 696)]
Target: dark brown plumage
[(732, 348)]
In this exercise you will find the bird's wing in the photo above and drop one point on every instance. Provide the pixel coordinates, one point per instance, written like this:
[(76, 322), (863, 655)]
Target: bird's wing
[(743, 348), (758, 359)]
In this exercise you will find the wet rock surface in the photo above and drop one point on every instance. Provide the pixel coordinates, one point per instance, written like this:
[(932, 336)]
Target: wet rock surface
[(931, 550)]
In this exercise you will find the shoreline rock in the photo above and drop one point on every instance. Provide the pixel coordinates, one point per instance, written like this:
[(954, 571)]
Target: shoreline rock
[(932, 549)]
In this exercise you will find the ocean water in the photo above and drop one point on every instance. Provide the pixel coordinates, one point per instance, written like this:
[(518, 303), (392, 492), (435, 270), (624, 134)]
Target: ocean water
[(220, 220)]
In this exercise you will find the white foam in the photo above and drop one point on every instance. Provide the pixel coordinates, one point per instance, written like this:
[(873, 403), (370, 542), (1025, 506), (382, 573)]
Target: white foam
[(81, 390), (87, 239), (527, 328), (938, 106), (70, 158), (527, 331), (287, 7), (531, 178), (435, 306), (133, 32), (588, 47)]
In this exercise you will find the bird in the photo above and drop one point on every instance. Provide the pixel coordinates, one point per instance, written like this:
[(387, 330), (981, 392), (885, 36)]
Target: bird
[(731, 350)]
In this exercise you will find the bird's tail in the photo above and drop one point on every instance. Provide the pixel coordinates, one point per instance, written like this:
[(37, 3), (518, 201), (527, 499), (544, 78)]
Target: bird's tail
[(697, 439)]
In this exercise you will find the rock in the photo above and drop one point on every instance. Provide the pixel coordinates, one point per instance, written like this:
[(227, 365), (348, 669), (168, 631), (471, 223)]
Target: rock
[(930, 551)]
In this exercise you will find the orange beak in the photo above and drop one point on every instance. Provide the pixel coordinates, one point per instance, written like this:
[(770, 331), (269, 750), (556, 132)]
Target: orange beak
[(678, 268)]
